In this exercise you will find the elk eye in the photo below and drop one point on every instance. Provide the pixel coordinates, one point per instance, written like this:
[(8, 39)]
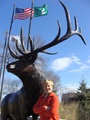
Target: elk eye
[(12, 66)]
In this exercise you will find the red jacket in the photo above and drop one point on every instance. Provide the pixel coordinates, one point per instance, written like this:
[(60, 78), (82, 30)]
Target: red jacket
[(39, 108)]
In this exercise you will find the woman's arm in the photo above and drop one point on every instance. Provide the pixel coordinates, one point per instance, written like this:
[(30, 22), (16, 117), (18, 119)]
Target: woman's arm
[(54, 106), (37, 108)]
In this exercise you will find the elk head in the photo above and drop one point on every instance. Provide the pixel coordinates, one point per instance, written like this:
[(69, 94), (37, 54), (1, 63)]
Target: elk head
[(27, 58)]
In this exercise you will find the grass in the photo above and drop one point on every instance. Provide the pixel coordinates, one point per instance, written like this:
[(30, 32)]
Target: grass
[(68, 111)]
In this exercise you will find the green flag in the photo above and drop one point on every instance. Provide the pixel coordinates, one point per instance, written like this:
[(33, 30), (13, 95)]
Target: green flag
[(40, 11)]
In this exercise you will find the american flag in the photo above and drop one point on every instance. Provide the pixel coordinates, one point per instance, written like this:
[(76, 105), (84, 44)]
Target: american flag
[(23, 14)]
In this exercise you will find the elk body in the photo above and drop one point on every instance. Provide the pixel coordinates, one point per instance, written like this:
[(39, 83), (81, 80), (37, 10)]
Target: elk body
[(19, 105)]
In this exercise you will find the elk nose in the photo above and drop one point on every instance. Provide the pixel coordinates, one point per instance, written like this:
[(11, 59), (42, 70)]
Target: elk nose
[(12, 66)]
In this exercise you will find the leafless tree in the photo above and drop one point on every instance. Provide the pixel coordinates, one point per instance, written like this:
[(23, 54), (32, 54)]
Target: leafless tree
[(11, 86)]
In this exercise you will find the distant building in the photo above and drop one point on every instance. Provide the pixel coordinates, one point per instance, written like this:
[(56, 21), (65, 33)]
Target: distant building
[(68, 97)]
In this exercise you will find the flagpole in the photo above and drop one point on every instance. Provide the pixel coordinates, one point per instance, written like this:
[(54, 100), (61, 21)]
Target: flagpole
[(3, 54), (30, 25), (6, 53)]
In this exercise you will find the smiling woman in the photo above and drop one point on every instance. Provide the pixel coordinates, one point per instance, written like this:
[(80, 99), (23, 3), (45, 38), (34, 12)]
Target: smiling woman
[(48, 104)]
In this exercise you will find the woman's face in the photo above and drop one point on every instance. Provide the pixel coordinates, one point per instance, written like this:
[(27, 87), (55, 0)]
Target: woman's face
[(48, 88)]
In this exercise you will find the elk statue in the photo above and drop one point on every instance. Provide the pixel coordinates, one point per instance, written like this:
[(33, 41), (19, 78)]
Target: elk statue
[(19, 105)]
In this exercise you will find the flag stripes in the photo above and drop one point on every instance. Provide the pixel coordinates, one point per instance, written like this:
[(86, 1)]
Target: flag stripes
[(23, 14)]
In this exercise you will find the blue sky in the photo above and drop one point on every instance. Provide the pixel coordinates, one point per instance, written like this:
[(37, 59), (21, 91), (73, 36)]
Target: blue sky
[(73, 58)]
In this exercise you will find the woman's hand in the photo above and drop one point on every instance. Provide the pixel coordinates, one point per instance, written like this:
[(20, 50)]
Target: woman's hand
[(47, 107)]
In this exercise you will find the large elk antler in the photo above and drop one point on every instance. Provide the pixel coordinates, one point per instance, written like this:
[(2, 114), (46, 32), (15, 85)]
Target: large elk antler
[(33, 53)]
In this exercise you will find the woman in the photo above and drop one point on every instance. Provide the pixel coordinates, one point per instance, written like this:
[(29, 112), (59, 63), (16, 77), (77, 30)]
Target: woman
[(47, 104)]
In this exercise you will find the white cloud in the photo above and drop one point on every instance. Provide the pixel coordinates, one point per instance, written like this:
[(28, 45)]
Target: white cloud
[(66, 62), (71, 87), (61, 63), (68, 88), (76, 60), (13, 38), (82, 68), (88, 61)]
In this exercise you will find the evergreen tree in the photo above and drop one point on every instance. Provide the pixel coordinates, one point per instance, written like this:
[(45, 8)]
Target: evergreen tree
[(81, 91), (83, 97)]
